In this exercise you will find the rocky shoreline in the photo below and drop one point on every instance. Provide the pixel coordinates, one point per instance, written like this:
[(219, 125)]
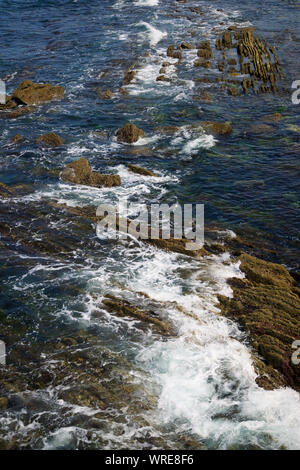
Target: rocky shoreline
[(265, 303)]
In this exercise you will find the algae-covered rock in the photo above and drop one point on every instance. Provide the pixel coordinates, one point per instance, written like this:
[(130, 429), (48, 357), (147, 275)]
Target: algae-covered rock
[(35, 93), (140, 171), (129, 133), (217, 128), (79, 172), (267, 304), (5, 191), (17, 138), (50, 140), (123, 308)]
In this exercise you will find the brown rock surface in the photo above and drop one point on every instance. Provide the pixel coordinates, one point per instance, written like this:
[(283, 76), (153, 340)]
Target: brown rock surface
[(129, 133), (79, 172), (35, 93)]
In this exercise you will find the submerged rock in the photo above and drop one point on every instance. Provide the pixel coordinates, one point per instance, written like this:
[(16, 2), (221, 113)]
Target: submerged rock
[(35, 93), (217, 128), (129, 133), (128, 76), (140, 171), (50, 140), (267, 304), (17, 138), (79, 172), (123, 308), (105, 95), (4, 191)]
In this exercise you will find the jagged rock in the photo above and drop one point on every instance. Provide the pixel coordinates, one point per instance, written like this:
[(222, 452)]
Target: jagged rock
[(187, 45), (205, 53), (202, 63), (123, 308), (50, 140), (232, 61), (35, 93), (9, 104), (17, 112), (3, 403), (16, 138), (129, 133), (217, 128), (267, 304), (4, 191), (233, 91), (79, 172), (140, 171), (105, 95), (204, 97), (161, 78), (128, 76), (177, 246)]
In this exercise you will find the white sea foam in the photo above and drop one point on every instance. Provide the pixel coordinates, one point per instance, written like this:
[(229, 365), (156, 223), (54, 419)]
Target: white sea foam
[(154, 34), (146, 3)]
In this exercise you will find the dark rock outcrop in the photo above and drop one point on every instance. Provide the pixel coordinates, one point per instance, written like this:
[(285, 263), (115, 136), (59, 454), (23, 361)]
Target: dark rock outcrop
[(29, 93), (140, 171), (50, 140), (216, 128), (129, 133), (79, 172), (267, 304)]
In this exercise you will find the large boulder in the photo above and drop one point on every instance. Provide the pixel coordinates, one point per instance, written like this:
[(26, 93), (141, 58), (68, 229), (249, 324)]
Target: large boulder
[(50, 140), (129, 133), (80, 172), (36, 93)]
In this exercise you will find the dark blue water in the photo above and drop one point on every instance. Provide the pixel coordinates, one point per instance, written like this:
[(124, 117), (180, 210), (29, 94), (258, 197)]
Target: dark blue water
[(248, 183)]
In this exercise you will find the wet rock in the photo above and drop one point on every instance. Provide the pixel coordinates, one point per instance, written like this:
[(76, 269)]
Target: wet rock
[(124, 309), (140, 171), (129, 133), (205, 53), (50, 140), (3, 403), (128, 76), (217, 128), (17, 138), (233, 91), (105, 95), (178, 246), (267, 303), (29, 93), (271, 117), (187, 45), (232, 61), (5, 191), (202, 63), (203, 97), (18, 112), (79, 172), (260, 129), (161, 78)]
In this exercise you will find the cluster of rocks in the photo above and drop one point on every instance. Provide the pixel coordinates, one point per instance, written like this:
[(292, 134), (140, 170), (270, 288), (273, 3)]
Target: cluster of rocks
[(27, 95)]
